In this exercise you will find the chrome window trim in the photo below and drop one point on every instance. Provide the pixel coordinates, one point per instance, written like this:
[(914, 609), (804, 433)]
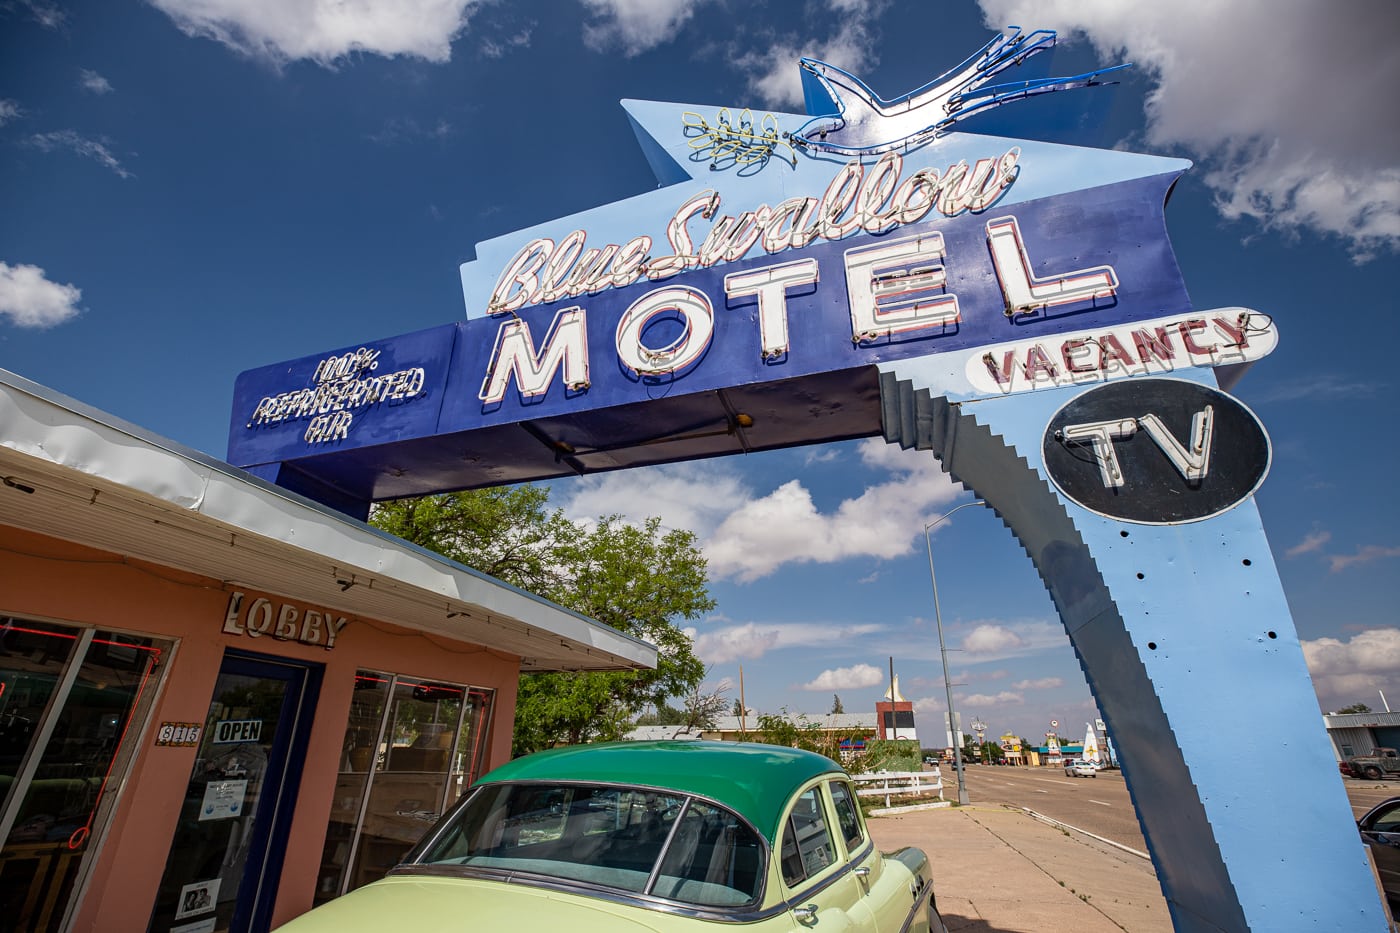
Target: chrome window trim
[(744, 913), (922, 896)]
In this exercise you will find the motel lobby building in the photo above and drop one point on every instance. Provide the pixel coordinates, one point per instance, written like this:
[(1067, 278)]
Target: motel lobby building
[(221, 703)]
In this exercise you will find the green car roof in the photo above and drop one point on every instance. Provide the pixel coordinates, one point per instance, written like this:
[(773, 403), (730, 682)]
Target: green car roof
[(752, 779)]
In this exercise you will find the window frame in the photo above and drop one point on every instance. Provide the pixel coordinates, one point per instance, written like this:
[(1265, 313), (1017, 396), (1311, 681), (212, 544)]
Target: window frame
[(819, 794)]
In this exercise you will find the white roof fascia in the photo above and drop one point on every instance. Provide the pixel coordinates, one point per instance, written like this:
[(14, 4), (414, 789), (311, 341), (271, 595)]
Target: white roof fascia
[(61, 432)]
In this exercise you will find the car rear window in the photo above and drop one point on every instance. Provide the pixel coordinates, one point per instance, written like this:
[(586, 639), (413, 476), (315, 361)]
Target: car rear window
[(625, 838)]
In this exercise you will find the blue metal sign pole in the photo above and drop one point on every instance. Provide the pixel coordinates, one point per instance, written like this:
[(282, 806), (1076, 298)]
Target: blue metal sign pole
[(1175, 626)]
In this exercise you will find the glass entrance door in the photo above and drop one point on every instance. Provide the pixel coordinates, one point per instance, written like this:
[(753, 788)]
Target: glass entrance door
[(226, 858), (72, 703)]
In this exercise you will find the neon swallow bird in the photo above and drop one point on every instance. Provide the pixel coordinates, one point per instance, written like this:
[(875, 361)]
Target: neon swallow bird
[(851, 120)]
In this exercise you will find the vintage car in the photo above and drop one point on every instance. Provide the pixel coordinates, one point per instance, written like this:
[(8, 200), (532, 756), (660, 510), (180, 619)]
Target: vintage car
[(1380, 830), (648, 836)]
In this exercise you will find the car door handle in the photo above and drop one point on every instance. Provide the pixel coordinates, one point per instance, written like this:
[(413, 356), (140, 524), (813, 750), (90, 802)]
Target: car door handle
[(863, 873), (806, 913)]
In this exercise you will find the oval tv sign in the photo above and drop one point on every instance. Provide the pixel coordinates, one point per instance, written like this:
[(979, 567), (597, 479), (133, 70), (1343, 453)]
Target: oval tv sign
[(1156, 451)]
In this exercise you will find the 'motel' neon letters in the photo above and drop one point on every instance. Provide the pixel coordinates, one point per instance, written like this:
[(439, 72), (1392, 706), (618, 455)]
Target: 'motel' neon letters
[(894, 287)]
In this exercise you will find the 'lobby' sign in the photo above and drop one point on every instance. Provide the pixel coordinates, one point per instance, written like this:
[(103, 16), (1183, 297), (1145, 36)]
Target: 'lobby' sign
[(1156, 451), (285, 622)]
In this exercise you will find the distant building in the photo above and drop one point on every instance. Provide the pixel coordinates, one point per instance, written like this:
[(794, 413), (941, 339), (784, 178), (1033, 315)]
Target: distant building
[(659, 733), (896, 715), (730, 728), (850, 730), (1357, 733)]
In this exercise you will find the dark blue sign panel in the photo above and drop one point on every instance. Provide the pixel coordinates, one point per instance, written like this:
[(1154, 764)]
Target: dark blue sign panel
[(729, 357)]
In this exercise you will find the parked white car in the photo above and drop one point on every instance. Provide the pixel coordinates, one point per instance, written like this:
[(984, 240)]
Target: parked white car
[(1077, 768)]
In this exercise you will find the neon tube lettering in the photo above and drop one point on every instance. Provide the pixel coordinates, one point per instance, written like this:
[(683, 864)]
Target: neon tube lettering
[(566, 346), (1025, 293), (771, 286)]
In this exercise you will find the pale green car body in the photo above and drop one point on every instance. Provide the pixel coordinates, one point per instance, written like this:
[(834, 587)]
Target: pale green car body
[(742, 835)]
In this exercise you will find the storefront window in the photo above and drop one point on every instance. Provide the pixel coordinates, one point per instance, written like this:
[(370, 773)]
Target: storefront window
[(411, 749), (69, 700)]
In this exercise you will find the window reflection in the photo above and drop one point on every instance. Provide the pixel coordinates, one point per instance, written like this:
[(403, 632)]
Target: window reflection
[(68, 699), (411, 748)]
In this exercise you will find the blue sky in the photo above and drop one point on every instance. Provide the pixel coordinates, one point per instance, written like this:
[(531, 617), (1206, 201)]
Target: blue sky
[(192, 189)]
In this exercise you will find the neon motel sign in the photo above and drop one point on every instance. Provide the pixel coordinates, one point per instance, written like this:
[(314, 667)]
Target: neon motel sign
[(890, 269), (1008, 258), (890, 263)]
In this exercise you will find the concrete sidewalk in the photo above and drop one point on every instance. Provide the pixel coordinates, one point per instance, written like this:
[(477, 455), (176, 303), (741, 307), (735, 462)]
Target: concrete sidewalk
[(996, 869)]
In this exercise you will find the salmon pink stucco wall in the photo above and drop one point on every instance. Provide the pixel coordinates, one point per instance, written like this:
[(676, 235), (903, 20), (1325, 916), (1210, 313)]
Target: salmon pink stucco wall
[(50, 579)]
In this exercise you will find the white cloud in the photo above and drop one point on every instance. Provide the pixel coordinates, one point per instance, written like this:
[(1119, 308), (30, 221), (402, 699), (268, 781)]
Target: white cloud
[(746, 537), (1317, 387), (846, 678), (774, 75), (1313, 541), (785, 526), (752, 640), (736, 643), (406, 130), (983, 700), (9, 111), (29, 299), (691, 496), (1345, 672), (633, 26), (497, 48), (1363, 555), (94, 82), (48, 15), (79, 145), (1284, 103), (995, 641), (1044, 683), (280, 31), (991, 639)]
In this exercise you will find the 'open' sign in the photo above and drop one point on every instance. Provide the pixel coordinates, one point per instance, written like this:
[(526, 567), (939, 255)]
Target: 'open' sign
[(237, 730)]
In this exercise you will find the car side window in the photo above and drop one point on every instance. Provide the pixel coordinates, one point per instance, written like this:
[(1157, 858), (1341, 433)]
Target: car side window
[(847, 814), (1387, 821), (713, 859), (807, 844)]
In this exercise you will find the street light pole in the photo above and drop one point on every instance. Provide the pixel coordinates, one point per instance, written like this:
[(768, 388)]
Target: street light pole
[(943, 650)]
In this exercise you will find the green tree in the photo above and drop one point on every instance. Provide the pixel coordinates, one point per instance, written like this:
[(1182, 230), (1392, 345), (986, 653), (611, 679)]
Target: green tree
[(836, 706), (800, 732), (969, 749), (663, 715), (1355, 708), (636, 579)]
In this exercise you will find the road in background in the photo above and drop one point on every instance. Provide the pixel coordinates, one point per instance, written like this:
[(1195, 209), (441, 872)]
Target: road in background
[(1366, 794), (1099, 805)]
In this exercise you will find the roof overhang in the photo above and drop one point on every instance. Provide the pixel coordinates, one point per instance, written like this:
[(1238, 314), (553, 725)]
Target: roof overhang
[(81, 475)]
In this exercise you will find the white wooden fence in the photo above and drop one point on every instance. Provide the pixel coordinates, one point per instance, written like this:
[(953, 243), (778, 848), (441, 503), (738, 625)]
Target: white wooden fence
[(890, 784)]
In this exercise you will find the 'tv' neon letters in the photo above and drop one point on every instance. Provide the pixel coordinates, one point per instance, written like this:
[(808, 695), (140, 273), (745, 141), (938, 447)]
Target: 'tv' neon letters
[(1192, 460)]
